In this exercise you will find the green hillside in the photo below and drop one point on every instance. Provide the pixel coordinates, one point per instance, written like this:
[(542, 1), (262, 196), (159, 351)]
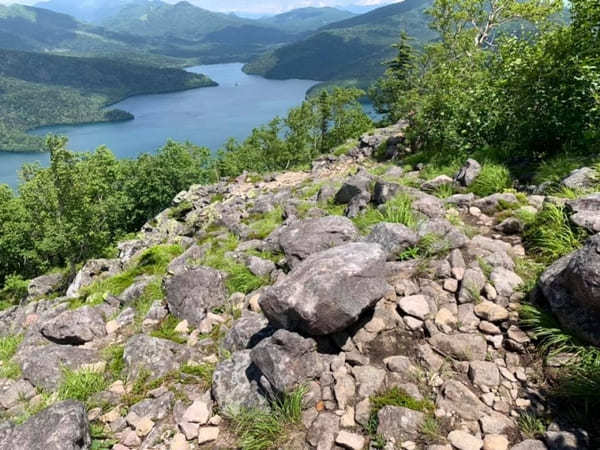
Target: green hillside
[(41, 89), (353, 49), (184, 30), (303, 20), (93, 11)]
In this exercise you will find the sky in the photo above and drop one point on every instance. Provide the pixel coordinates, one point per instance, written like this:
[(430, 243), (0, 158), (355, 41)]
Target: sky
[(252, 6)]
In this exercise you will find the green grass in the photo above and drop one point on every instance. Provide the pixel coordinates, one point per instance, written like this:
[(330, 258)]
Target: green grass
[(559, 167), (394, 397), (431, 430), (444, 191), (530, 271), (204, 372), (259, 429), (179, 212), (265, 225), (492, 179), (345, 147), (396, 210), (531, 426), (153, 261), (115, 364), (81, 384), (167, 330), (239, 279), (153, 292), (551, 235), (8, 347), (101, 438)]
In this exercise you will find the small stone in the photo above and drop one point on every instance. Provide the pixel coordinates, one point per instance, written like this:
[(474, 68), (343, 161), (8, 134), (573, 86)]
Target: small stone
[(489, 328), (464, 441), (484, 373), (412, 323), (112, 326), (414, 305), (351, 441), (117, 387), (445, 320), (189, 429), (347, 419), (451, 285), (182, 327), (179, 442), (131, 439), (207, 434), (495, 442), (491, 312), (111, 416), (144, 426), (198, 412)]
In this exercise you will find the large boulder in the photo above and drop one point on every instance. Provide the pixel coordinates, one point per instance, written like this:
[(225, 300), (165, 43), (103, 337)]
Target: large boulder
[(152, 355), (468, 173), (93, 270), (572, 287), (306, 237), (75, 327), (328, 291), (586, 212), (357, 185), (235, 383), (287, 360), (44, 285), (496, 202), (43, 365), (192, 294), (582, 178), (62, 426), (393, 237)]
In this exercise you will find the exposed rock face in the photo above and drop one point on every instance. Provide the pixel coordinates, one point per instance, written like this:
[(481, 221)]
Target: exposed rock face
[(393, 237), (358, 185), (235, 383), (306, 237), (398, 423), (93, 270), (191, 294), (247, 331), (586, 212), (468, 173), (287, 360), (155, 355), (328, 291), (44, 285), (43, 365), (63, 426), (572, 287), (582, 178), (75, 327)]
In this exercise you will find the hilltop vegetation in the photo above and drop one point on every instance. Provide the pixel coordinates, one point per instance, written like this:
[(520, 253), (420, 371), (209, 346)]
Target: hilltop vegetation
[(302, 20), (40, 89), (352, 49)]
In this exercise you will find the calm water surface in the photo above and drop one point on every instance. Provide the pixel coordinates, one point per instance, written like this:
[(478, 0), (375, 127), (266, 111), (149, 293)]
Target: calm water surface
[(206, 116)]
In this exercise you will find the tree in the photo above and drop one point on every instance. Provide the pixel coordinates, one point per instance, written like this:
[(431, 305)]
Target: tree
[(474, 23)]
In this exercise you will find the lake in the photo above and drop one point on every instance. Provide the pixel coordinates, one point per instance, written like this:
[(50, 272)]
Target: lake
[(206, 116)]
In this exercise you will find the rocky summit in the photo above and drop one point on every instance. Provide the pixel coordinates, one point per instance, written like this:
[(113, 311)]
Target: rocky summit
[(357, 305)]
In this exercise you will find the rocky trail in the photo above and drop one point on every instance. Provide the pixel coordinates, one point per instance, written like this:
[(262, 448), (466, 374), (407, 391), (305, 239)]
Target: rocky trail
[(390, 304)]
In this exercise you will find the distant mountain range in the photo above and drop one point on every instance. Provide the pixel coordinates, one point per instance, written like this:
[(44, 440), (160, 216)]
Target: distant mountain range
[(307, 19), (351, 50)]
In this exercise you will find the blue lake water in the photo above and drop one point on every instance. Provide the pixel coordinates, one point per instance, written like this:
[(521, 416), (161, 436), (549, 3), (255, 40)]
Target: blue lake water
[(206, 116)]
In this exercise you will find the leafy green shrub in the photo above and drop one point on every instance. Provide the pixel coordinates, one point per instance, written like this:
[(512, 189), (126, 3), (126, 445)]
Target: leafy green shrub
[(492, 179), (14, 291)]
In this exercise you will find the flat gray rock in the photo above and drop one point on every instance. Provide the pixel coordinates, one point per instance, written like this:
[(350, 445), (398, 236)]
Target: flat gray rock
[(75, 327), (329, 291)]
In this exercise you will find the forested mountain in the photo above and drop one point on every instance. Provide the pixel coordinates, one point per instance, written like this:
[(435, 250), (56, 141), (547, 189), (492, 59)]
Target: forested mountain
[(92, 11), (353, 49), (38, 89), (307, 19)]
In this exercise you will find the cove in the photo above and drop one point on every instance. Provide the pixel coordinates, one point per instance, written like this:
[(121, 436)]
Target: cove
[(205, 116)]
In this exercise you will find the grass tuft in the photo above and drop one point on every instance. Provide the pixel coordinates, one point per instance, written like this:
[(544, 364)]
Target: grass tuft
[(551, 235), (264, 429), (531, 426), (8, 348), (81, 384), (493, 178), (204, 372), (265, 225), (167, 330)]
